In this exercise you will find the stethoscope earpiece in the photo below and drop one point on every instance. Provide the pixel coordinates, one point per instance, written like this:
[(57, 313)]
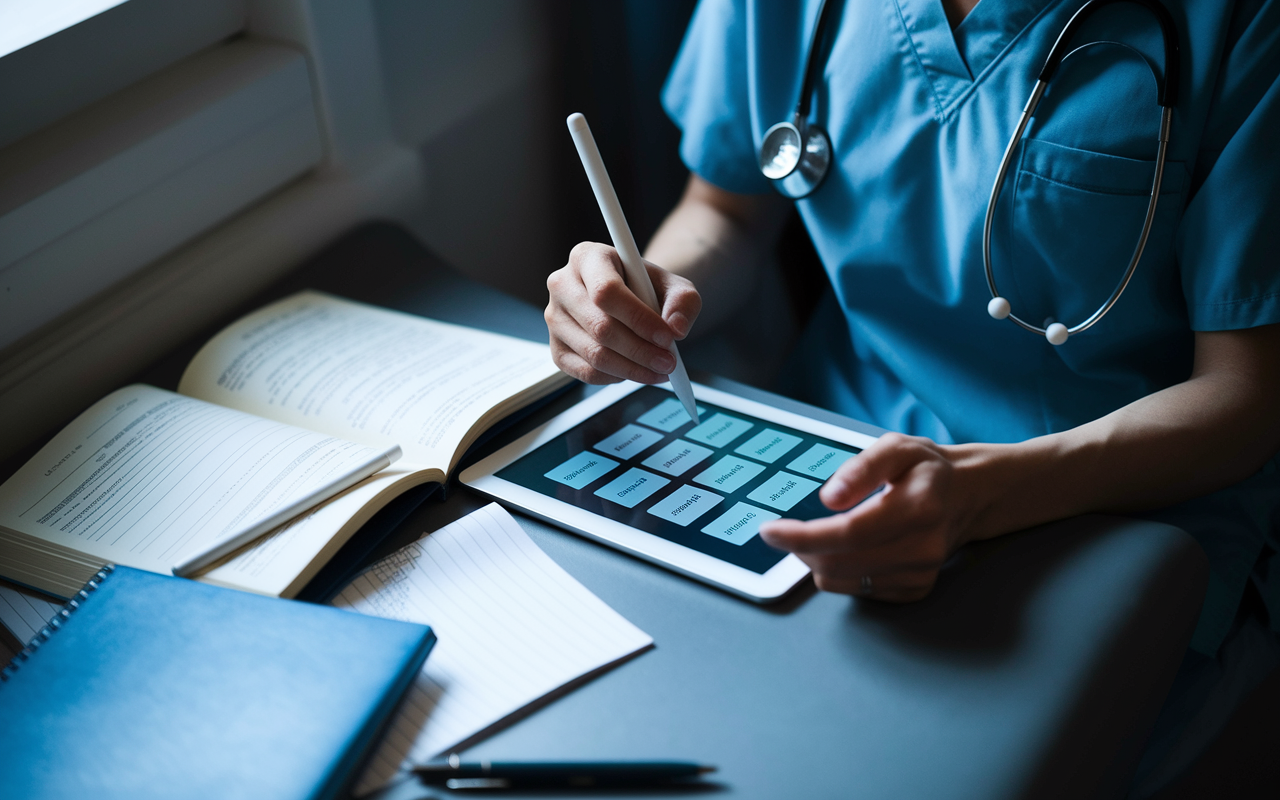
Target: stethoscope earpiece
[(1055, 332), (999, 308)]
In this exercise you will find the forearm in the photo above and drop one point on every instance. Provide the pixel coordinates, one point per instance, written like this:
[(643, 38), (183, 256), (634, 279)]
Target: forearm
[(719, 242), (1211, 431)]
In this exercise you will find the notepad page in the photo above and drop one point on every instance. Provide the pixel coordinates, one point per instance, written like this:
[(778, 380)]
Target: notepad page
[(513, 626), (24, 613)]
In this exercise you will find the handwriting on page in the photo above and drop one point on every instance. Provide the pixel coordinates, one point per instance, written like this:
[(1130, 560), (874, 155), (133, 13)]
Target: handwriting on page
[(512, 626), (393, 574)]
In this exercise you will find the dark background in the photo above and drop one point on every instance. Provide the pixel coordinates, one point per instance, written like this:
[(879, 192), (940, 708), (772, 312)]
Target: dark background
[(613, 59)]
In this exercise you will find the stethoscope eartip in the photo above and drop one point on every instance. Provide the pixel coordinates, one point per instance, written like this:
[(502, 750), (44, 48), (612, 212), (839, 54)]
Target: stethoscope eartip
[(1056, 333), (998, 308)]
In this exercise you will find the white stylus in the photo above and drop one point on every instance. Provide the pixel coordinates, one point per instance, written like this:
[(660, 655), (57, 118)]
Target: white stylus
[(636, 275)]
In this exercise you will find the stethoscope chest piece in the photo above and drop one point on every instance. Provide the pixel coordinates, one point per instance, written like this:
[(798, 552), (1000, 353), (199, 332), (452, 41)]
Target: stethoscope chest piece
[(796, 157)]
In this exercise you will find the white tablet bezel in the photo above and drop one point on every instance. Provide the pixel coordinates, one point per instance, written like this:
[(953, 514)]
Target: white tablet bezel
[(761, 588)]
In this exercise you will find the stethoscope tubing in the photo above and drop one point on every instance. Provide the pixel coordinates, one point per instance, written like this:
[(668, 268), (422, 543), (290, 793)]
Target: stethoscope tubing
[(797, 169), (1028, 111), (1167, 97)]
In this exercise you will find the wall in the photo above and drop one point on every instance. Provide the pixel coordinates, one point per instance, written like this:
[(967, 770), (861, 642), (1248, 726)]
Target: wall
[(471, 87), (445, 117), (481, 91)]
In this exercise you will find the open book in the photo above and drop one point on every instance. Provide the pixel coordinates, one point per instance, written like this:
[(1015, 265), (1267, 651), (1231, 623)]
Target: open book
[(299, 387)]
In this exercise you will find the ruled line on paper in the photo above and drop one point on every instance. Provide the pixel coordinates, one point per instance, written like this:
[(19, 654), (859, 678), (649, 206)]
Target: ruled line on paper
[(512, 628), (25, 613)]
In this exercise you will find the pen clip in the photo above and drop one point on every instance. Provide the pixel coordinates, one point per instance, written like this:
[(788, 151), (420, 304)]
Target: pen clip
[(477, 783)]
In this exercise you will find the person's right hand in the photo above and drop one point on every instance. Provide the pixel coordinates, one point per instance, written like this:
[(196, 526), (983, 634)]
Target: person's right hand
[(601, 332)]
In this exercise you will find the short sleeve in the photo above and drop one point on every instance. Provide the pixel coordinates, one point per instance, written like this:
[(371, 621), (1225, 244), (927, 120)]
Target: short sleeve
[(1230, 232), (707, 97)]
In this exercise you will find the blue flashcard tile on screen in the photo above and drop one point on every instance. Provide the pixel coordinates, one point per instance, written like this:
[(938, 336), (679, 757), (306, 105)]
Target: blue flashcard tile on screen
[(783, 491), (719, 430), (739, 524), (768, 445), (632, 487), (729, 474), (581, 470), (667, 415), (677, 457), (685, 504), (627, 442), (820, 461)]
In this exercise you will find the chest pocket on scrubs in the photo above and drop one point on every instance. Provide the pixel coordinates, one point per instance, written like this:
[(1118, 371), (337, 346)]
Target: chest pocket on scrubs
[(1075, 218)]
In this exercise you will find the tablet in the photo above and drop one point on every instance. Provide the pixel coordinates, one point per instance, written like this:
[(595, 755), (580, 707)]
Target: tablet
[(628, 467)]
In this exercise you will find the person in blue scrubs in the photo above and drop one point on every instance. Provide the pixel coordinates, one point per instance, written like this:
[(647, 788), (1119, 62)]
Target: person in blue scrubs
[(1169, 407)]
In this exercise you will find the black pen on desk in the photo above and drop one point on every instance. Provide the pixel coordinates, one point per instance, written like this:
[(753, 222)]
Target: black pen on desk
[(455, 774)]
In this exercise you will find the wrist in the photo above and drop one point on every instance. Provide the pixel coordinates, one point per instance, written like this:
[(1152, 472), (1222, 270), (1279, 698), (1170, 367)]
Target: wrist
[(1010, 486), (981, 470)]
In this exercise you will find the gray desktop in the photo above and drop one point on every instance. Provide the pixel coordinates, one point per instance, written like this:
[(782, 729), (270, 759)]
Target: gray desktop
[(1036, 668)]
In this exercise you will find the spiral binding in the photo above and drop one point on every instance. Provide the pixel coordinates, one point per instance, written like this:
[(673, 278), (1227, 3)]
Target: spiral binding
[(57, 622)]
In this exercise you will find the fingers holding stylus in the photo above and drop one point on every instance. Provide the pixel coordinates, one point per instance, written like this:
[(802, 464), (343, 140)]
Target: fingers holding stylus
[(579, 355), (601, 332), (680, 301)]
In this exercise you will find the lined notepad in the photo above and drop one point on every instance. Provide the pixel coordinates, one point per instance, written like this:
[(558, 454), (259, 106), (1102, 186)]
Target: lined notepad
[(24, 613), (513, 627)]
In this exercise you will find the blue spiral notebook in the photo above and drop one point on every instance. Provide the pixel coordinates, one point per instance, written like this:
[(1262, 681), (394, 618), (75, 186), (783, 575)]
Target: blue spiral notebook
[(149, 686)]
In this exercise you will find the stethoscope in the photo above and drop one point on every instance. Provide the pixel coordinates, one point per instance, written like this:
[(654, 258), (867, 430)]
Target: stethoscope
[(796, 155)]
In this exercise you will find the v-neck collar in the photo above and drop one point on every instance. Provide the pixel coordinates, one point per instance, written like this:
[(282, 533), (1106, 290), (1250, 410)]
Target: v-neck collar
[(954, 60), (990, 26)]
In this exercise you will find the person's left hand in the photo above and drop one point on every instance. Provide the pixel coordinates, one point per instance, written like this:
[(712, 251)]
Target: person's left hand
[(889, 545)]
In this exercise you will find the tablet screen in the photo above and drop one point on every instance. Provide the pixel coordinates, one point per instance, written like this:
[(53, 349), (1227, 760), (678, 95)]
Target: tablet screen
[(709, 487)]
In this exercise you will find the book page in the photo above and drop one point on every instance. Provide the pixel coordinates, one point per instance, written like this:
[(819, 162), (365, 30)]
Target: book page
[(281, 562), (145, 477), (368, 374), (512, 625)]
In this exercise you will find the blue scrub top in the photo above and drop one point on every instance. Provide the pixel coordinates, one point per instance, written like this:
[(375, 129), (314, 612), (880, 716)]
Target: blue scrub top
[(919, 116)]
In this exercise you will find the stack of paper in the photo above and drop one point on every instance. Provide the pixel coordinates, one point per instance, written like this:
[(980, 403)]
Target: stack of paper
[(512, 626)]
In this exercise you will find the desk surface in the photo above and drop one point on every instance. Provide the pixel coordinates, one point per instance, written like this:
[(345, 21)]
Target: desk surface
[(1034, 669)]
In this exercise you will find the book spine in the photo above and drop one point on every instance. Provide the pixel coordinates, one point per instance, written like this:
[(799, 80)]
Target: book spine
[(56, 622)]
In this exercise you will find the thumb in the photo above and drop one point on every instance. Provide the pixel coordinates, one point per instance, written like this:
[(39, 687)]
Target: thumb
[(679, 299), (883, 462)]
